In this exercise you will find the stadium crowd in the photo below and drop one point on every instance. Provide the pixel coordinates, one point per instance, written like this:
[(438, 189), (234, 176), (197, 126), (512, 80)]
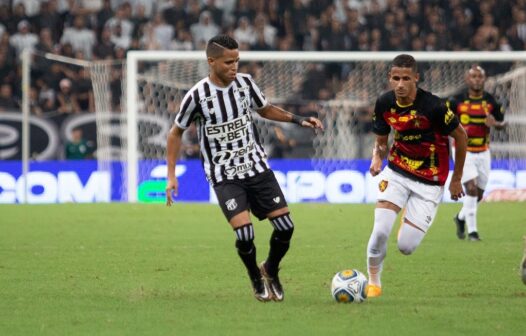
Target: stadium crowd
[(107, 29)]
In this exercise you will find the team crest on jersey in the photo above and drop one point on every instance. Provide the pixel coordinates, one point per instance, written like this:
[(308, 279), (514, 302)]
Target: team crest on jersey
[(383, 185), (244, 102), (231, 204), (276, 199)]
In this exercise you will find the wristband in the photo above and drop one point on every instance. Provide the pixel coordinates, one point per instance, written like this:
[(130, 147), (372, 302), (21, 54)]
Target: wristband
[(297, 119)]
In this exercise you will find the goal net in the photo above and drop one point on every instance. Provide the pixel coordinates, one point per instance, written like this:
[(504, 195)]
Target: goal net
[(340, 88)]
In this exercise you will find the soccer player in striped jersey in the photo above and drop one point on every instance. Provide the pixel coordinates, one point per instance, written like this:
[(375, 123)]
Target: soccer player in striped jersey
[(234, 160), (418, 163), (478, 111)]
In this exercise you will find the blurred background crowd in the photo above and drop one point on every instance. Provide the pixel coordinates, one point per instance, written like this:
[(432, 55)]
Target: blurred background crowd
[(107, 29)]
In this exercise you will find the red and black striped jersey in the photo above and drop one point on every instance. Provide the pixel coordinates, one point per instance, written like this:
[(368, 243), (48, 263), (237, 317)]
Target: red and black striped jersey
[(472, 113), (420, 149)]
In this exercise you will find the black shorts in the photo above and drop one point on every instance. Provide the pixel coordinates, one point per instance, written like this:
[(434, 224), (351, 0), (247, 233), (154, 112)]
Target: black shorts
[(260, 194)]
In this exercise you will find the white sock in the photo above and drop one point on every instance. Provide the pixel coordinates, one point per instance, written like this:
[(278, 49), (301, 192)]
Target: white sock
[(462, 214), (470, 212), (377, 247)]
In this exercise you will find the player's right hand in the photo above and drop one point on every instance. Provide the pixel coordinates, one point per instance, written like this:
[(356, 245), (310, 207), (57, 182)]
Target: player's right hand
[(376, 166), (172, 186), (455, 189)]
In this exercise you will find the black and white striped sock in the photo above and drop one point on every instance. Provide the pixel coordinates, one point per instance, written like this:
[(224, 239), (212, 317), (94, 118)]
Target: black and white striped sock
[(246, 249), (279, 241)]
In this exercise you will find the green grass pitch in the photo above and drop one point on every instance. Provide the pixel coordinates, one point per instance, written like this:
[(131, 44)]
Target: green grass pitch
[(120, 269)]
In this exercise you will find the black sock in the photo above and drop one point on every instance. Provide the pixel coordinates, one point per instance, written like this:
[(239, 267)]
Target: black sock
[(279, 242), (247, 250)]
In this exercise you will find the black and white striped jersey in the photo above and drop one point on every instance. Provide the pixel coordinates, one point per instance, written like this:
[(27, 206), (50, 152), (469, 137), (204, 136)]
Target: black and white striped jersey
[(230, 145)]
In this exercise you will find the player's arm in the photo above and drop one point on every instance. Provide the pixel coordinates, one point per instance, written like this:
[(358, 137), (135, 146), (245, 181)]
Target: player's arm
[(382, 129), (173, 147), (275, 113), (379, 154), (496, 118), (461, 142)]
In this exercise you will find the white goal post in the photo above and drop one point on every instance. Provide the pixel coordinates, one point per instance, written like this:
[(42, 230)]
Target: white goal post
[(444, 75)]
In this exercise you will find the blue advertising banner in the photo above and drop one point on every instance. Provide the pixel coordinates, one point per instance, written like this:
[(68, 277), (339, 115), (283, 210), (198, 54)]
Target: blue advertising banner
[(332, 181)]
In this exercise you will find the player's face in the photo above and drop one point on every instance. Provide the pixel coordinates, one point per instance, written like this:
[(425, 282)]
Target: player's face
[(224, 68), (403, 82), (475, 79)]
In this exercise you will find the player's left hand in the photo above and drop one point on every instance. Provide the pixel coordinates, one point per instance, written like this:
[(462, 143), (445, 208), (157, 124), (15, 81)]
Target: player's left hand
[(312, 123), (490, 121), (172, 186), (455, 189)]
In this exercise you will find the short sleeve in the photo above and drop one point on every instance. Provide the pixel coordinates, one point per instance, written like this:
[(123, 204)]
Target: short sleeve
[(444, 118), (498, 110), (257, 98), (186, 113), (380, 126)]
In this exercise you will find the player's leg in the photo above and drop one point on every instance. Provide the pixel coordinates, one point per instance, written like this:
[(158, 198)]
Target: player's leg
[(470, 208), (279, 245), (469, 175), (233, 201), (420, 211), (267, 201), (391, 198), (475, 192), (384, 217)]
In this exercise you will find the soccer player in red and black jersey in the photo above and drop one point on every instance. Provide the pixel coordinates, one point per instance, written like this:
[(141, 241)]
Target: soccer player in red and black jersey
[(477, 111), (418, 163)]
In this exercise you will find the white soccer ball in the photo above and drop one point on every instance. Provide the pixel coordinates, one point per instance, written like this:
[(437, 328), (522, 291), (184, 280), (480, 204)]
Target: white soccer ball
[(349, 286)]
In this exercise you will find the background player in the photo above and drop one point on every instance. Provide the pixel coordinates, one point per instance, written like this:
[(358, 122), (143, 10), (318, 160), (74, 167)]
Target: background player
[(477, 111), (234, 159), (418, 163)]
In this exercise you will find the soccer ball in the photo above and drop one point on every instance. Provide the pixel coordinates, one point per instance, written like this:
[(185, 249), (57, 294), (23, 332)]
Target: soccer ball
[(349, 286)]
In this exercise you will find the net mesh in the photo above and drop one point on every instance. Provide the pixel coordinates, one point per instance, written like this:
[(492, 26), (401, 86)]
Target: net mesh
[(342, 94)]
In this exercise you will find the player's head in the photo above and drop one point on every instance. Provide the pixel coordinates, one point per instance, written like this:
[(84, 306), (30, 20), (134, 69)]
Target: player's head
[(223, 58), (403, 77), (475, 78)]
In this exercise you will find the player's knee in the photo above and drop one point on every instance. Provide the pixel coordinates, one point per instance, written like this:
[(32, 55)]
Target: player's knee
[(379, 237), (283, 227), (471, 189), (405, 247)]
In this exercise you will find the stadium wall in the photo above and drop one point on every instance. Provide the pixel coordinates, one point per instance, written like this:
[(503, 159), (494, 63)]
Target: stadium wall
[(347, 182)]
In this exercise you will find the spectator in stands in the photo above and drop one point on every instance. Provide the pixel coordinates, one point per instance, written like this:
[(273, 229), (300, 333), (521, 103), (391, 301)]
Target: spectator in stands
[(158, 34), (204, 30), (119, 24), (175, 13), (7, 101), (183, 41), (24, 38), (244, 33), (103, 15), (34, 104), (84, 91), (49, 18), (32, 7), (80, 37), (7, 69), (105, 47), (77, 147), (66, 97)]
